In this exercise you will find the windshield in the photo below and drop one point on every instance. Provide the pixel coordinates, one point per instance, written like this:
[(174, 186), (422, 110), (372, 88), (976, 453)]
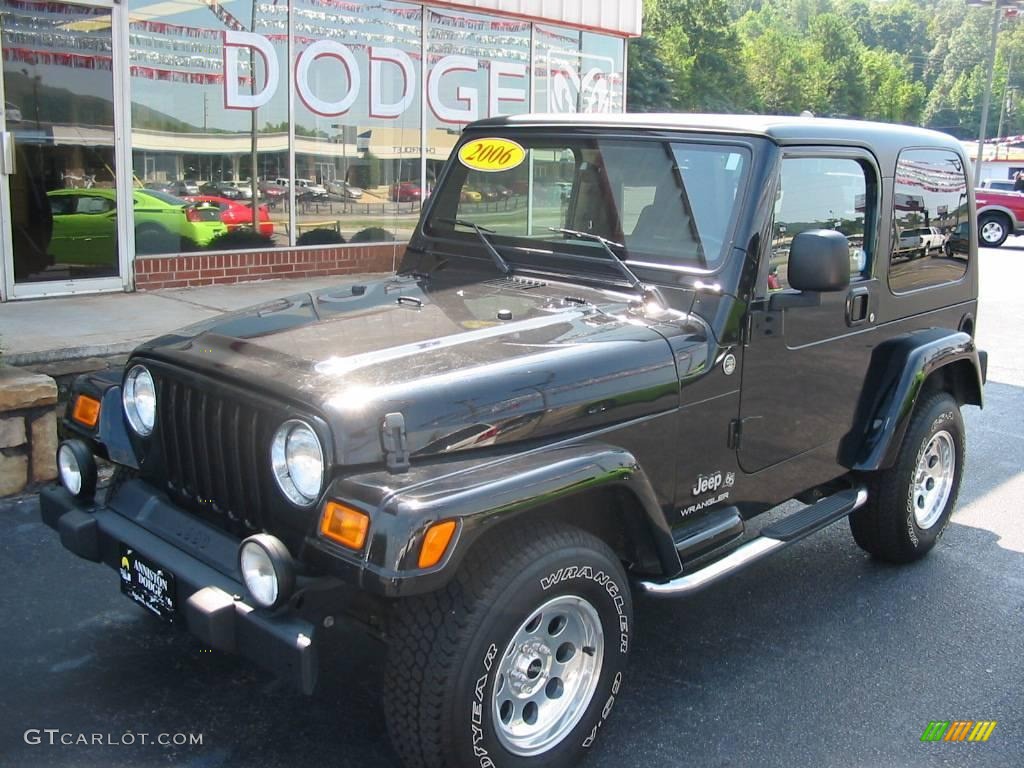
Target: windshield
[(658, 201)]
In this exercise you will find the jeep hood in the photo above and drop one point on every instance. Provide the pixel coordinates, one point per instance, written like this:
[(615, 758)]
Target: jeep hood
[(468, 364)]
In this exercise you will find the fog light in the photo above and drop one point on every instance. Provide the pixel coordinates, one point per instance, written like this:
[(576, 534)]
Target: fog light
[(267, 570), (76, 467)]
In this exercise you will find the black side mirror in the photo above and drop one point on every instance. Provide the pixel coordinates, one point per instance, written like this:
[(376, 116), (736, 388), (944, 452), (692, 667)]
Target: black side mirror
[(819, 261)]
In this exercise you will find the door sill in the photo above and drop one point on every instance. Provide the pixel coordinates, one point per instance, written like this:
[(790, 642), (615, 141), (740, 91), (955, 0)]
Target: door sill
[(56, 288)]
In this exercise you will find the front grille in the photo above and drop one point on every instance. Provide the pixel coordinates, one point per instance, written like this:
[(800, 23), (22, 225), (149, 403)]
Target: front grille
[(215, 453)]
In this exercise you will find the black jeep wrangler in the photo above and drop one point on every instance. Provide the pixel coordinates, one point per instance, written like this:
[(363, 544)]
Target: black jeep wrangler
[(583, 386)]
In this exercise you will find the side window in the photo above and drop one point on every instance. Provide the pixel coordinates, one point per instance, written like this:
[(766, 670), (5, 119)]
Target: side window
[(931, 225), (92, 205), (823, 193), (62, 204)]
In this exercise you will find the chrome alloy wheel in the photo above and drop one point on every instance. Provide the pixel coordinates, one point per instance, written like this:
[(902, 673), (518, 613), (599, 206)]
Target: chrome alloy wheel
[(933, 479), (547, 675)]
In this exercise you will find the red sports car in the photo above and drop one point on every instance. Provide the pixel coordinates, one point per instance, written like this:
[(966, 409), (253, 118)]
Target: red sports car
[(406, 192), (237, 214)]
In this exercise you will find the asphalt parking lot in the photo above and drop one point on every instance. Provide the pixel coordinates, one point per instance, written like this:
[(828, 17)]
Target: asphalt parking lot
[(818, 657)]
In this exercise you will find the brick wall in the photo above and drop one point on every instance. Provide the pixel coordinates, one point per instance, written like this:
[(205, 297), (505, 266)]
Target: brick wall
[(152, 272)]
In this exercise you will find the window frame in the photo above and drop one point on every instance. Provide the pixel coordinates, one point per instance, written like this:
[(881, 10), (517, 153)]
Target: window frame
[(871, 222)]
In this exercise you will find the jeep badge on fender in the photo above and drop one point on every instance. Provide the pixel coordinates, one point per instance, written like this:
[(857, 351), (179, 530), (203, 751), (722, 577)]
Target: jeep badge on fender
[(707, 483), (481, 458)]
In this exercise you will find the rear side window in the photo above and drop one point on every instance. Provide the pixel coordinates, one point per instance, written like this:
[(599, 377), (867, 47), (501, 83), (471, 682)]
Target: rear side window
[(931, 226)]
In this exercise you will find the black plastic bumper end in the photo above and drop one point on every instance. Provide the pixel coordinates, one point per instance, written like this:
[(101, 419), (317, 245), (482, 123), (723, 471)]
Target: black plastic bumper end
[(80, 534)]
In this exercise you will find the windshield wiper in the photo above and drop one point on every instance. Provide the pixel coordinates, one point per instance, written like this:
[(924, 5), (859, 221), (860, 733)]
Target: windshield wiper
[(499, 260), (646, 291)]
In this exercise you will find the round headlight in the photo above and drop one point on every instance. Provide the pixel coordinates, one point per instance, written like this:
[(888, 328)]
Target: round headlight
[(76, 467), (139, 398), (266, 569), (298, 462)]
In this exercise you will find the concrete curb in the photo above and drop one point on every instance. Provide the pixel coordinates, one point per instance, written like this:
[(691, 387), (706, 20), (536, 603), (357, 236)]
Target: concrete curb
[(23, 359)]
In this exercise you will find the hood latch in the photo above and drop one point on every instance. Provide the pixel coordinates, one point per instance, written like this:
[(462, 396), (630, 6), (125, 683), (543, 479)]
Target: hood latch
[(395, 442)]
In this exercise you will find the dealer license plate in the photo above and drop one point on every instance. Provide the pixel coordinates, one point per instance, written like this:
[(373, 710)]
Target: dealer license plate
[(147, 584)]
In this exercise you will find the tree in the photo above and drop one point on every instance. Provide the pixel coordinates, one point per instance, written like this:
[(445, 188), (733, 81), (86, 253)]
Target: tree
[(893, 95), (836, 84), (699, 45), (776, 60), (650, 81)]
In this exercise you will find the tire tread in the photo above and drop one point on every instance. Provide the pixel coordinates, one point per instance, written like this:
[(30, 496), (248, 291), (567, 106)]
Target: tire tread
[(428, 631)]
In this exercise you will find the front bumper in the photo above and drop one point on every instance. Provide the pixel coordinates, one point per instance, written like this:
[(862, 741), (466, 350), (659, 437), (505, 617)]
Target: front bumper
[(209, 593)]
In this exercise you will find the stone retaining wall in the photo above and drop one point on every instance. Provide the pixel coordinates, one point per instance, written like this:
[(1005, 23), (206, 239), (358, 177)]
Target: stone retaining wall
[(28, 430)]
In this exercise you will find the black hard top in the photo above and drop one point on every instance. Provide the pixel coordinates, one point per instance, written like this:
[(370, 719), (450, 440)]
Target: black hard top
[(883, 138)]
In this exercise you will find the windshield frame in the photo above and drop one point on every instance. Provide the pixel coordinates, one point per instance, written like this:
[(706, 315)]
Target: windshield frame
[(561, 256)]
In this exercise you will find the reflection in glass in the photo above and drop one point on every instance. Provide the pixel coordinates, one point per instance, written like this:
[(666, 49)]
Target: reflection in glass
[(357, 124), (210, 119), (479, 67), (821, 193), (58, 87), (657, 202), (931, 222)]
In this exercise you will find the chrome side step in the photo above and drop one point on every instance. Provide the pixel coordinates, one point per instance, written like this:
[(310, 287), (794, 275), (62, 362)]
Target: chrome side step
[(775, 537)]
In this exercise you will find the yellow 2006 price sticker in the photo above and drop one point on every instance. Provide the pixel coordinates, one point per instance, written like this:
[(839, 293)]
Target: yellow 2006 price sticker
[(492, 154)]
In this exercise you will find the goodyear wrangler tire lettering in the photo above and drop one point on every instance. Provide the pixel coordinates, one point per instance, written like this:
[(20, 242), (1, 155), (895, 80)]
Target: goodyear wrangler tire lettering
[(494, 599)]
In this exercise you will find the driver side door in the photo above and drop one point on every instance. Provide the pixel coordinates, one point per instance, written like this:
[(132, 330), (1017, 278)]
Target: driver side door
[(803, 367)]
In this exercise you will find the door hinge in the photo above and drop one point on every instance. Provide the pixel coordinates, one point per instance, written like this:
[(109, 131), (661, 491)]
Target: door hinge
[(395, 442), (735, 434)]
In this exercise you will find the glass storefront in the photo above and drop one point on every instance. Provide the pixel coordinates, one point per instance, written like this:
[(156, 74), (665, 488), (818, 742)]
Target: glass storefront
[(227, 147), (58, 120)]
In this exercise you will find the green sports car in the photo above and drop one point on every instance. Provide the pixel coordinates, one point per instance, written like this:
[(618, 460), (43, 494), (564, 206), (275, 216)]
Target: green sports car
[(85, 224)]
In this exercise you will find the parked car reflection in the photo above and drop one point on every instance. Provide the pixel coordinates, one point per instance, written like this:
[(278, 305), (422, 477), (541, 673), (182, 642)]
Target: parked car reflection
[(236, 214), (85, 224)]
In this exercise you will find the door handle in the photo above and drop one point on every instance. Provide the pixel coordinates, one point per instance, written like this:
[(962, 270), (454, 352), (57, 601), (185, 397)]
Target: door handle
[(858, 306)]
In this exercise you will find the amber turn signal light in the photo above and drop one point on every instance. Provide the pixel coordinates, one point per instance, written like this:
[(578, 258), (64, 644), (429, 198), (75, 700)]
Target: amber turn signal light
[(435, 543), (344, 525), (87, 411)]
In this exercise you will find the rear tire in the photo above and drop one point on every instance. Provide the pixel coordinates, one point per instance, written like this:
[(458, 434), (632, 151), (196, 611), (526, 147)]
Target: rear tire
[(993, 229), (910, 503), (518, 661)]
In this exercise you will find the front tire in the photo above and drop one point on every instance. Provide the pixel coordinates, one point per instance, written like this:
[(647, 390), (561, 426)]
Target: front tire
[(518, 661), (910, 503)]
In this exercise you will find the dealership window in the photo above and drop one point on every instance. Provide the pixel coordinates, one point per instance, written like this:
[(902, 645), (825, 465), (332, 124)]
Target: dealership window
[(371, 128), (577, 71), (931, 221), (479, 67), (210, 121), (357, 121), (604, 54)]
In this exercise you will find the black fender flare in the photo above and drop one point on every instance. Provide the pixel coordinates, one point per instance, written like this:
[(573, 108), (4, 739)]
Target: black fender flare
[(899, 370), (482, 494), (110, 438)]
